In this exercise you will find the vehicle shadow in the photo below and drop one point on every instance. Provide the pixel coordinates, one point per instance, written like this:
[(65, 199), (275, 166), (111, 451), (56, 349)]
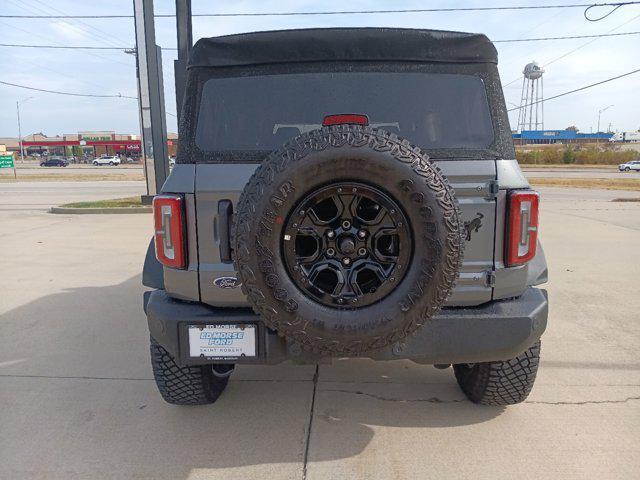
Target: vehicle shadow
[(77, 391)]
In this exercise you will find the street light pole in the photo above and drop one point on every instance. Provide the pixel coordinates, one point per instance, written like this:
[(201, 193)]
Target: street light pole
[(20, 127), (600, 113)]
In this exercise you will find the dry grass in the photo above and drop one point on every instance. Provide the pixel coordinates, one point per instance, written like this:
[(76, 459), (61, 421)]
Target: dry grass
[(589, 154), (112, 203), (571, 166), (603, 183)]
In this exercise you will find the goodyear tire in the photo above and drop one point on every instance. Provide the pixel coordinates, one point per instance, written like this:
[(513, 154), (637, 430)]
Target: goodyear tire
[(410, 187)]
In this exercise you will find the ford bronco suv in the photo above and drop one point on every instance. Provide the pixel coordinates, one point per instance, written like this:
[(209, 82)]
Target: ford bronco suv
[(348, 192)]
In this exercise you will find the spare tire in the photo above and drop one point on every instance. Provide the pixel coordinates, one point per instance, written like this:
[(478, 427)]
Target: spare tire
[(347, 239)]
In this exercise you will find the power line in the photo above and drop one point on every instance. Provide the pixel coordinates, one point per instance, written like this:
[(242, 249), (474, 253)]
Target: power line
[(67, 47), (67, 93), (616, 5), (510, 40), (101, 35), (573, 37), (588, 43), (575, 90), (601, 17), (35, 34), (570, 52), (76, 94)]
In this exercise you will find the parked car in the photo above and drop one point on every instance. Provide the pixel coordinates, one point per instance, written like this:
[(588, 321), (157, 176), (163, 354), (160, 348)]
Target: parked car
[(106, 161), (633, 165), (54, 162), (308, 230)]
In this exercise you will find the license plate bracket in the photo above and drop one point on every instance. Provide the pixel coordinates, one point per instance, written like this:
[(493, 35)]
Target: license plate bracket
[(222, 342)]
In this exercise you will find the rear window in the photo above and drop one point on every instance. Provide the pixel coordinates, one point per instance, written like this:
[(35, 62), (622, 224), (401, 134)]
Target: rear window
[(260, 113)]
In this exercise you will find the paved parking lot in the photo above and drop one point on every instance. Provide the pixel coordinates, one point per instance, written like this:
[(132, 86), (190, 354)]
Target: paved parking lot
[(589, 173), (77, 399), (30, 168)]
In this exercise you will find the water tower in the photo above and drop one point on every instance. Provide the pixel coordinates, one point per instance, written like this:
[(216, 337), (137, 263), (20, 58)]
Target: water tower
[(531, 113)]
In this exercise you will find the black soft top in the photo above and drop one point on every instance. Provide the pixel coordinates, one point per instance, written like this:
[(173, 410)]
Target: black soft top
[(342, 44)]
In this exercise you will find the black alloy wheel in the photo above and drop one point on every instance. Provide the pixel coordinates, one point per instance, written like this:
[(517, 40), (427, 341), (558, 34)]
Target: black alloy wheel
[(347, 245)]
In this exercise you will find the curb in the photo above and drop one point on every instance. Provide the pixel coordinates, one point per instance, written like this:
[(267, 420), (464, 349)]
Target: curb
[(118, 210)]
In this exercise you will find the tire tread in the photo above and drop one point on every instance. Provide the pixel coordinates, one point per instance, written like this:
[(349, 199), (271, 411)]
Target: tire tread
[(190, 385), (500, 383)]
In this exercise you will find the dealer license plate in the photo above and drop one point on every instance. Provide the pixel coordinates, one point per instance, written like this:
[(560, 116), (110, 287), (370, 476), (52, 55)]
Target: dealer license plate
[(222, 341)]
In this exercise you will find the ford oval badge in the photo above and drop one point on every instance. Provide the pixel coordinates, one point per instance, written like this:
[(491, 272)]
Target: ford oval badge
[(227, 282)]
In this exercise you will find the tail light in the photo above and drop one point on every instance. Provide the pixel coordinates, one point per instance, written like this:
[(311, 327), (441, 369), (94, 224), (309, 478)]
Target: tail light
[(168, 217), (345, 118), (522, 226)]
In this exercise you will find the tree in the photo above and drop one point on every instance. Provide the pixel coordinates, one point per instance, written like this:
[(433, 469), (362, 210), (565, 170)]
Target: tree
[(573, 128)]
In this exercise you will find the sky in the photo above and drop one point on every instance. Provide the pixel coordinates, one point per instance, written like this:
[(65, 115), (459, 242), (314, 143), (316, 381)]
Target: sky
[(113, 72)]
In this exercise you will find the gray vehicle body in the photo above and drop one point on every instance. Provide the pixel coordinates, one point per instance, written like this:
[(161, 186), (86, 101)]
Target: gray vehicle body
[(494, 312)]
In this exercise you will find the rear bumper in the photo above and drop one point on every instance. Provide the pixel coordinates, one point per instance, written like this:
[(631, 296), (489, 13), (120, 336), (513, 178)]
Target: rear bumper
[(498, 330)]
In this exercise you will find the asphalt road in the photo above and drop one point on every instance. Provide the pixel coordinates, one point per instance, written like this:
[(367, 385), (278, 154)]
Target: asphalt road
[(73, 169), (136, 170), (589, 173), (77, 400), (42, 195)]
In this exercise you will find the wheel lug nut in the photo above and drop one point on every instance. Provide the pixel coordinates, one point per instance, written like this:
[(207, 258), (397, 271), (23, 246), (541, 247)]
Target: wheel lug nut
[(331, 252), (346, 224), (362, 234), (346, 260), (362, 252)]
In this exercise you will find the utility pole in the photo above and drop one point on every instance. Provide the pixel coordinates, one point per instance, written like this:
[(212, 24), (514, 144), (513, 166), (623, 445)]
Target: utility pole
[(142, 158), (20, 133), (20, 127)]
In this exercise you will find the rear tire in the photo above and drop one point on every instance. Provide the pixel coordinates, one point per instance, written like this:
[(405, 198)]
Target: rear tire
[(500, 383), (191, 385)]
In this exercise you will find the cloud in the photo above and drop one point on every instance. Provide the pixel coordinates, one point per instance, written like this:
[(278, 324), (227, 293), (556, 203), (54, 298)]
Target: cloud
[(68, 30)]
